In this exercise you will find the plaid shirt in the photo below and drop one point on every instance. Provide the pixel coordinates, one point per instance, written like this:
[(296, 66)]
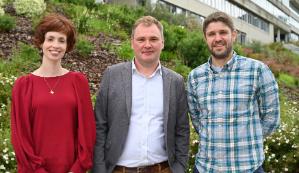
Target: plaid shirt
[(232, 110)]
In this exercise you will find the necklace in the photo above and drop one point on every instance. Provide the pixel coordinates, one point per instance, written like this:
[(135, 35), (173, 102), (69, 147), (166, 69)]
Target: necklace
[(50, 88)]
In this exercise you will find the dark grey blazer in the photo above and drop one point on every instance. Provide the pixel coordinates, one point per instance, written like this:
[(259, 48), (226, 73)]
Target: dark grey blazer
[(113, 111)]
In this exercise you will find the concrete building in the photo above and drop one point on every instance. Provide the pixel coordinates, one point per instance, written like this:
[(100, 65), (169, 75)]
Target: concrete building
[(261, 20)]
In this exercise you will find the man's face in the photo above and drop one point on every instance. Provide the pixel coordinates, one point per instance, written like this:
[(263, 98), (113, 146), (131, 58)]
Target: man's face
[(147, 43), (220, 39)]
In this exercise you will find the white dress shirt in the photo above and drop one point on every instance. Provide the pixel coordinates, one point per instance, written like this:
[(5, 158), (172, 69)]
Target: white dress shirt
[(145, 144)]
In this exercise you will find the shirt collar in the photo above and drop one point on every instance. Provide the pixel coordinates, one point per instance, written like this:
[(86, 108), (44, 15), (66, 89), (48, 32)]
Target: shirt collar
[(228, 65), (158, 69)]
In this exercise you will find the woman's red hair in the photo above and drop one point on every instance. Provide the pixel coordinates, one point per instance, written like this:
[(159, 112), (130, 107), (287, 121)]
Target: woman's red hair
[(57, 23)]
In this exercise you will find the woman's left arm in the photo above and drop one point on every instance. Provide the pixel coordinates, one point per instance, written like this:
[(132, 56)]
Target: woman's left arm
[(86, 126)]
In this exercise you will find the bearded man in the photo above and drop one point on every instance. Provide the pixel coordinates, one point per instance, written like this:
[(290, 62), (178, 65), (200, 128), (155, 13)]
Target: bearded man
[(233, 103)]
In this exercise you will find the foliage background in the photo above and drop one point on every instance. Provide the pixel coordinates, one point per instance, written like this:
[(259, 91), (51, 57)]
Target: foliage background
[(184, 49)]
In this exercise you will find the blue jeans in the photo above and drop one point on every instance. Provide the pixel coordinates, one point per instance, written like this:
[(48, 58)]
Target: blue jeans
[(259, 170)]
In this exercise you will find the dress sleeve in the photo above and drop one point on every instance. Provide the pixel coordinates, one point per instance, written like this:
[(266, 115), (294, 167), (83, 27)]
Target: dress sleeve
[(86, 126), (21, 128)]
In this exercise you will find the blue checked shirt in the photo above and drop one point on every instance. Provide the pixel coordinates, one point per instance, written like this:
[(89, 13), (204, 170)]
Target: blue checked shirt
[(232, 110)]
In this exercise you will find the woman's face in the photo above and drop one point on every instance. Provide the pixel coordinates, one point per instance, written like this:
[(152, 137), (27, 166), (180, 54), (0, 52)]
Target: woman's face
[(54, 46)]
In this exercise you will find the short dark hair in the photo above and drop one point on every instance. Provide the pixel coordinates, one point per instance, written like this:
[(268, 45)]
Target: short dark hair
[(218, 17), (58, 23), (147, 21)]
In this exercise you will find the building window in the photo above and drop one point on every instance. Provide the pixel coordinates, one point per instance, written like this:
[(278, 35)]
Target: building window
[(241, 38)]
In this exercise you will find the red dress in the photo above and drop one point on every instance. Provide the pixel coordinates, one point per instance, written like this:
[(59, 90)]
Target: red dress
[(52, 133)]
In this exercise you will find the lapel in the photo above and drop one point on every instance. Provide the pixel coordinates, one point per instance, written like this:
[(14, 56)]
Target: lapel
[(166, 92), (127, 81)]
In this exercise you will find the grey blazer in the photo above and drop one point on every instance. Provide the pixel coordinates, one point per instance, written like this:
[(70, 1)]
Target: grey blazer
[(113, 111)]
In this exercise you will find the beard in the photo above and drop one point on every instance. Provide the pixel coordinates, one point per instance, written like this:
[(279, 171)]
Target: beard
[(221, 54)]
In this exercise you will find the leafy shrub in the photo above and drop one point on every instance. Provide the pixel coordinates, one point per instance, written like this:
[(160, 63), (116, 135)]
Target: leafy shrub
[(7, 23), (97, 26), (193, 49), (84, 47), (168, 56), (239, 49), (82, 22), (281, 54), (182, 69), (172, 36), (170, 39), (25, 59), (5, 85), (288, 80), (7, 159), (124, 16), (29, 8), (193, 148), (256, 46), (1, 11), (79, 14), (124, 51), (118, 18), (282, 148), (87, 3), (277, 46)]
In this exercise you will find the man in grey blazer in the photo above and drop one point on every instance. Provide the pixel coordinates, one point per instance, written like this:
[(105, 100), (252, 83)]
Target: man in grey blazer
[(141, 111)]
